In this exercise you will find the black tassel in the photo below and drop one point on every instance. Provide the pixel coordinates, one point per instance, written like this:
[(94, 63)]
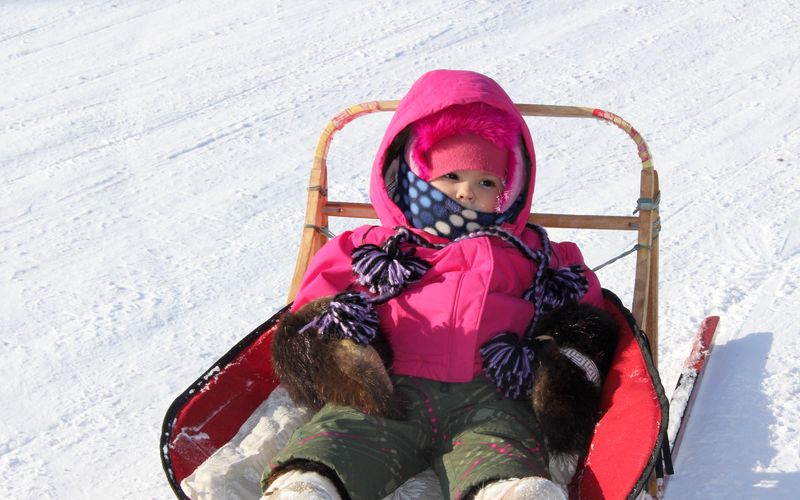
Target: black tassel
[(349, 315), (386, 271), (508, 361), (562, 286)]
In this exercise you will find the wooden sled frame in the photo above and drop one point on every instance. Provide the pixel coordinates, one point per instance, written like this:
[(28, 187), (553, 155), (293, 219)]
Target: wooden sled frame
[(210, 412), (646, 223)]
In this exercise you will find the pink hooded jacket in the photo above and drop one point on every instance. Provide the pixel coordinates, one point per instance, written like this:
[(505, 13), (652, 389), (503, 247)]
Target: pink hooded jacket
[(474, 288)]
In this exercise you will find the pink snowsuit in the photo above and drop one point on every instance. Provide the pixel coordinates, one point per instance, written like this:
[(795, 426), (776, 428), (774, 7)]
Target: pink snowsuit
[(473, 291)]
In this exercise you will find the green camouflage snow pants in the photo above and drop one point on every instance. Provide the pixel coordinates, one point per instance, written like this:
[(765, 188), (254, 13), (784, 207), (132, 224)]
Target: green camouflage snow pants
[(468, 432)]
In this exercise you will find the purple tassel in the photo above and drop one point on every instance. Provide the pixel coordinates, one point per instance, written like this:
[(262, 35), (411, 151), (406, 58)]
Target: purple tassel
[(558, 287), (386, 271), (508, 362), (562, 286), (350, 315)]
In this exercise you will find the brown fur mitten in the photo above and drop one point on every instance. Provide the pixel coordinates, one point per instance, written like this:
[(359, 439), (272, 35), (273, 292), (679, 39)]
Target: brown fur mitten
[(566, 396), (316, 370)]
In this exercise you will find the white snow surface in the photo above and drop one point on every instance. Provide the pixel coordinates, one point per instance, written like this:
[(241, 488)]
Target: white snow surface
[(154, 156)]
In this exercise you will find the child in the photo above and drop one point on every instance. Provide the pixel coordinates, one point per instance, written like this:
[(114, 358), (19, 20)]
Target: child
[(415, 338)]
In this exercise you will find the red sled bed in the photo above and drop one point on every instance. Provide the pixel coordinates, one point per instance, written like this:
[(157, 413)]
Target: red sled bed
[(629, 451)]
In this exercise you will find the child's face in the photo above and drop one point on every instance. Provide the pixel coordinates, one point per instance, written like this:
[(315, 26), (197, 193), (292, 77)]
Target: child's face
[(473, 189)]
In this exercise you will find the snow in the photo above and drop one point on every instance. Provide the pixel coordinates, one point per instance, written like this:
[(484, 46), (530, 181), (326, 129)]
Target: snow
[(154, 157)]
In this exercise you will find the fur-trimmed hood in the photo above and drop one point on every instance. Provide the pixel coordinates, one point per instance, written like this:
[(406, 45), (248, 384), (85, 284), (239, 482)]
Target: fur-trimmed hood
[(431, 93)]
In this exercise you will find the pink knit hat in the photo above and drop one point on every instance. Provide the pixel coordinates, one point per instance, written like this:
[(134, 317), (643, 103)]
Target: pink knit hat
[(466, 152), (472, 136)]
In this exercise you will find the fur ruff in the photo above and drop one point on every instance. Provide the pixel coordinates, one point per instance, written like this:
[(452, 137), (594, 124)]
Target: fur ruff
[(566, 403), (316, 370), (479, 119)]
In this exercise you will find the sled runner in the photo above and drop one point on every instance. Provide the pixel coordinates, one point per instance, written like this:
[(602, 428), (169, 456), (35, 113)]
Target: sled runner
[(630, 443)]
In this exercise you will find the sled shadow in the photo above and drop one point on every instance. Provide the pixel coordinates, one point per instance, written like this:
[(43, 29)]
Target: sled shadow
[(727, 444)]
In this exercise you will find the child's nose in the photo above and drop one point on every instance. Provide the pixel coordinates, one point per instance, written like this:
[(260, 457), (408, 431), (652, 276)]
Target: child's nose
[(464, 192)]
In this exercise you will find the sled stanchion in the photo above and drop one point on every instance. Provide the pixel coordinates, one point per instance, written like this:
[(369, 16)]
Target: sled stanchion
[(316, 217), (652, 309), (645, 293), (311, 240), (644, 309)]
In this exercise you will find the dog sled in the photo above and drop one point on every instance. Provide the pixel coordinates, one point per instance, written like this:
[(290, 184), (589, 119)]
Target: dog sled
[(220, 414)]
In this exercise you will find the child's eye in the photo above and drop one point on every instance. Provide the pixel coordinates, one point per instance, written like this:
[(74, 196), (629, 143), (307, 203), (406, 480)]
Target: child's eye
[(452, 176), (488, 183)]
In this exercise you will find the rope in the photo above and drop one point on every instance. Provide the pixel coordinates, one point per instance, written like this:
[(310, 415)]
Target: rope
[(635, 248), (644, 204), (323, 230)]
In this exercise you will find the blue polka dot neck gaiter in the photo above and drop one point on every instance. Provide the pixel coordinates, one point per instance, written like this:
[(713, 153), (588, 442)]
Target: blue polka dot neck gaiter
[(429, 209)]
